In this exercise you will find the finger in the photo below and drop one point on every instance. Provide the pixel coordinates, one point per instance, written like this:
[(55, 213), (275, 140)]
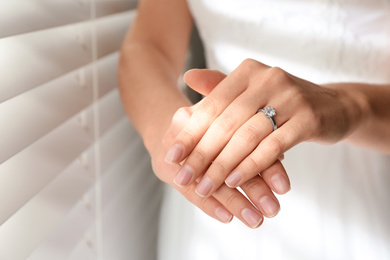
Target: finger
[(179, 120), (268, 151), (276, 178), (224, 204), (209, 109), (243, 142), (261, 195), (218, 134), (239, 205), (203, 81), (211, 206)]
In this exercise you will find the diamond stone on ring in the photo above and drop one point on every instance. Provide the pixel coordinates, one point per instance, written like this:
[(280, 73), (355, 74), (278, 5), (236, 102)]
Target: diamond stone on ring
[(269, 112)]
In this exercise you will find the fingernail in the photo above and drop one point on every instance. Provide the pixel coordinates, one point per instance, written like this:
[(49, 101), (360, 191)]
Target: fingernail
[(223, 215), (184, 176), (233, 179), (204, 187), (280, 183), (269, 206), (174, 153), (252, 218)]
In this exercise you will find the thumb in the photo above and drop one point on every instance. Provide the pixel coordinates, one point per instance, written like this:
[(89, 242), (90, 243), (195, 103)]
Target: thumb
[(203, 81)]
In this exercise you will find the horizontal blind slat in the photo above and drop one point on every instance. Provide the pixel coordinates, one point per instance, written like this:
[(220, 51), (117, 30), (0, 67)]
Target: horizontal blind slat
[(40, 61), (66, 236), (115, 143), (43, 213), (111, 111), (54, 39), (139, 218), (63, 49), (110, 31), (36, 166), (49, 156), (46, 107), (73, 228), (114, 177), (118, 132), (18, 17), (104, 7), (62, 183), (82, 251)]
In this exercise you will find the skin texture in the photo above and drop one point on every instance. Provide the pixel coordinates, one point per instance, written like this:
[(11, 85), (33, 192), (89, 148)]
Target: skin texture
[(202, 149), (152, 59)]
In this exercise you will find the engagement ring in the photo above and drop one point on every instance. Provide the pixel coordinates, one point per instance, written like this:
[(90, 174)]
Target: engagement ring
[(269, 112)]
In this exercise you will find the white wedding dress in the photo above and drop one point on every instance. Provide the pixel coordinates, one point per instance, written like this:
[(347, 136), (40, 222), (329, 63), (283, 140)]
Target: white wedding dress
[(339, 205)]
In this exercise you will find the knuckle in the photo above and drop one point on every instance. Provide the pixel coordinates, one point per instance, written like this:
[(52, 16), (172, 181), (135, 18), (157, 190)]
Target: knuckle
[(276, 76), (250, 66), (230, 198), (252, 187), (199, 155), (226, 121), (203, 203), (249, 134), (251, 163), (187, 138), (181, 113), (208, 109), (276, 72), (250, 63), (275, 145), (219, 167)]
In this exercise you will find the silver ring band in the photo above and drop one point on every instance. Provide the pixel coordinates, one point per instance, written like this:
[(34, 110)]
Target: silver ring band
[(269, 112)]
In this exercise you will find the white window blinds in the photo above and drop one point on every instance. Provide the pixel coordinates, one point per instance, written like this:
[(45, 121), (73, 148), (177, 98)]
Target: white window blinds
[(75, 181)]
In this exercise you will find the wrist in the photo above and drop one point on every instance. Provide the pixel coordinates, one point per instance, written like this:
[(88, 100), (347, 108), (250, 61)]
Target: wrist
[(354, 104)]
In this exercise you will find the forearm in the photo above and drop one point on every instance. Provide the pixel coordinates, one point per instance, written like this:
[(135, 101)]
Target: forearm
[(372, 103), (149, 90)]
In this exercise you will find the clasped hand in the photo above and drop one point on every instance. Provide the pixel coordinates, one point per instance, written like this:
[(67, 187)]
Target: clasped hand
[(220, 143)]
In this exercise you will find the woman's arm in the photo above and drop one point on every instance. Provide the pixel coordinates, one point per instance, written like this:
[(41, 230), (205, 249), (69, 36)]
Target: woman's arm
[(373, 130), (152, 59)]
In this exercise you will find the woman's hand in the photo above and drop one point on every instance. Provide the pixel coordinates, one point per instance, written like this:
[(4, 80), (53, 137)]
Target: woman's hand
[(225, 202), (229, 142)]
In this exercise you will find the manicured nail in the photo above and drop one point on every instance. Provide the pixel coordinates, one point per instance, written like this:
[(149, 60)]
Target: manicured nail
[(184, 176), (269, 206), (174, 153), (280, 183), (204, 187), (223, 215), (252, 218), (233, 179)]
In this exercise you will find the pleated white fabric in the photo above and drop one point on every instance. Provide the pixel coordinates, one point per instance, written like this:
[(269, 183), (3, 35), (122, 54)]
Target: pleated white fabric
[(338, 207)]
